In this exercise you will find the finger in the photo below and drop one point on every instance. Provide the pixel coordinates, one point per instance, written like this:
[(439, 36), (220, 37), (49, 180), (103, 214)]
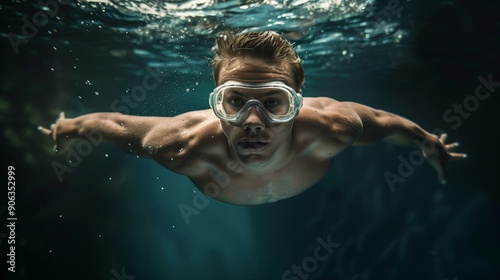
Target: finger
[(439, 167), (441, 175), (53, 131), (452, 145), (443, 137), (44, 130), (61, 115), (457, 156)]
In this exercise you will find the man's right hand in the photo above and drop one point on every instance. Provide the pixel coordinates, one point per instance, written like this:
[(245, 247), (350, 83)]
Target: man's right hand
[(55, 132)]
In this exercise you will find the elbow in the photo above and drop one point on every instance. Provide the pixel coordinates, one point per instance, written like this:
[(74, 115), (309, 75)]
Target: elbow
[(354, 127), (357, 127), (351, 130), (150, 145)]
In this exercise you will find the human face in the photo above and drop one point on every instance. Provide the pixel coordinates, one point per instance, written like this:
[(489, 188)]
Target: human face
[(255, 141)]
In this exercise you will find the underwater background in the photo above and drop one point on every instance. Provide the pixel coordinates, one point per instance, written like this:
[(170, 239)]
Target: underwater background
[(112, 215)]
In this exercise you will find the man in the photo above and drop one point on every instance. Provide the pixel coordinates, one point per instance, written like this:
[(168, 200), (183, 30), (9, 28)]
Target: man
[(265, 142)]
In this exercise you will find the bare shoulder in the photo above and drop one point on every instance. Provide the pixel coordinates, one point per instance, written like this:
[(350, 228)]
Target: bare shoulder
[(327, 106), (332, 124), (329, 113), (178, 141)]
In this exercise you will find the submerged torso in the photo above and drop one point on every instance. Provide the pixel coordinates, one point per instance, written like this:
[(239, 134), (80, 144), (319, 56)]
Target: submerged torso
[(210, 167), (224, 181)]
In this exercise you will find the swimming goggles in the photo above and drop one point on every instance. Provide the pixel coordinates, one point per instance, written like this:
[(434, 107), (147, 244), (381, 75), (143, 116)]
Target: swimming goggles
[(276, 102)]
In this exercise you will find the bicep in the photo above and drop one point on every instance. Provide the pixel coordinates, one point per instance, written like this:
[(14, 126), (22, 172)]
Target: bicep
[(334, 126), (175, 142)]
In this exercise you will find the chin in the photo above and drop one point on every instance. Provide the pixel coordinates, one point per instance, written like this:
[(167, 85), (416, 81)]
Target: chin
[(254, 159), (254, 154)]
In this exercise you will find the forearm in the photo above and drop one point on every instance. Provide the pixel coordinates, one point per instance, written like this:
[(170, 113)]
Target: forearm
[(105, 124), (116, 128), (404, 132), (380, 125)]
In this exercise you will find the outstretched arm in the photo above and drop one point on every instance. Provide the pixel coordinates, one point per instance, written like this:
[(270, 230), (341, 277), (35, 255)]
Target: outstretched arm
[(171, 141), (379, 125), (125, 131)]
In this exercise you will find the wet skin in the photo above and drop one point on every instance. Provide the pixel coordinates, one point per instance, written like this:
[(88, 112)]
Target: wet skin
[(254, 162)]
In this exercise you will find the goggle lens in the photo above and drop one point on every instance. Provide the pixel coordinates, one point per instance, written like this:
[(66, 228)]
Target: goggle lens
[(275, 101)]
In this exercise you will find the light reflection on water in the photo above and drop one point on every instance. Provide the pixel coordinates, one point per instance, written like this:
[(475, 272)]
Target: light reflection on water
[(175, 33), (333, 29)]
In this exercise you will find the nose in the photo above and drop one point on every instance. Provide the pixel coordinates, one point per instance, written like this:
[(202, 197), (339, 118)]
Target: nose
[(253, 120)]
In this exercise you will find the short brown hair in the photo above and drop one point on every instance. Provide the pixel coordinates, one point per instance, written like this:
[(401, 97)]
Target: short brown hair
[(267, 45)]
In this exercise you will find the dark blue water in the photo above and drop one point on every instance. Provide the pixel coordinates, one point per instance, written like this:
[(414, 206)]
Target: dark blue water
[(115, 216)]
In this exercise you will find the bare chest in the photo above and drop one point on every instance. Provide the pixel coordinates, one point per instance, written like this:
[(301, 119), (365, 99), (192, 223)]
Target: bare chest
[(230, 186)]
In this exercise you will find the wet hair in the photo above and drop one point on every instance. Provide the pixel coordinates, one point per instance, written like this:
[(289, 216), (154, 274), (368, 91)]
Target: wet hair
[(267, 45)]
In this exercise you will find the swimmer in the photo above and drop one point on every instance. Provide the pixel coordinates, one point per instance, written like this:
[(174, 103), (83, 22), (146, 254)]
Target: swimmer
[(261, 141)]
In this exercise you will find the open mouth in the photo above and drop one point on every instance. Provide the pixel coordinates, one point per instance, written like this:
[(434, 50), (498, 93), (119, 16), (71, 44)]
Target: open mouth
[(254, 145)]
